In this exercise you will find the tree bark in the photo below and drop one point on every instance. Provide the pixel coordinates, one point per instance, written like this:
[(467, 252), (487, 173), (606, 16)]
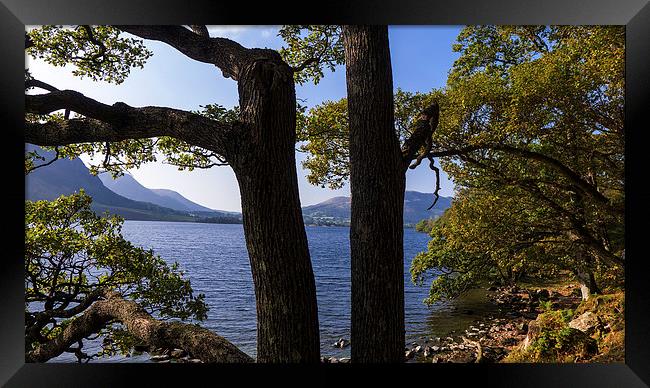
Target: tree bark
[(199, 342), (260, 149), (285, 290), (377, 184)]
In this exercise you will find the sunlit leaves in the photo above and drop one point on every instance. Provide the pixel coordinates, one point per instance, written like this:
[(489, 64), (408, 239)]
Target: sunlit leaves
[(557, 91), (72, 255), (313, 47), (97, 52), (323, 134)]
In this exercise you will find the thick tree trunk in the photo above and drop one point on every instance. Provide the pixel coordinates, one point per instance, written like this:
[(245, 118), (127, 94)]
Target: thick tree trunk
[(377, 183), (259, 147), (285, 290)]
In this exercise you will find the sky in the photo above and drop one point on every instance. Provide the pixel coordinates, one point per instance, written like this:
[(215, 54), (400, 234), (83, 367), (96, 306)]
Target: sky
[(421, 57)]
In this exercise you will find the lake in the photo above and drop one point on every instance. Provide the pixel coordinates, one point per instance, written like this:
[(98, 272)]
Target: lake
[(215, 259)]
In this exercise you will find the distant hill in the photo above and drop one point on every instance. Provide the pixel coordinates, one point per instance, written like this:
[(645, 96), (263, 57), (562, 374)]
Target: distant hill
[(133, 201), (65, 176), (336, 211), (128, 187)]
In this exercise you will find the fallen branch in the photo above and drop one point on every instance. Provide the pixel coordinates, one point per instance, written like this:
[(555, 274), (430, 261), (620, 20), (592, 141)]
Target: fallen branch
[(201, 343)]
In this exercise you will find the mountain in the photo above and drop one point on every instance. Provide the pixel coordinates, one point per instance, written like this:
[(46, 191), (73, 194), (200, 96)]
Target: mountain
[(128, 187), (336, 211), (65, 176)]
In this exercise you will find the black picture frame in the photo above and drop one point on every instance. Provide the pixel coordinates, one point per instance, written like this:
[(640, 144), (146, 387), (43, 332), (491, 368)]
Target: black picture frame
[(634, 14)]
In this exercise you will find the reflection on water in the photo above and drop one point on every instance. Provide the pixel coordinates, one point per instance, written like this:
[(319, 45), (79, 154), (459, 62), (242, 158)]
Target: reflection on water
[(215, 259)]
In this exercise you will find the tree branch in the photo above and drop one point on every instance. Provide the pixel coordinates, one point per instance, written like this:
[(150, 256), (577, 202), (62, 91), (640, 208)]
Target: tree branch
[(118, 122), (424, 126), (200, 30), (580, 183), (199, 342), (229, 56)]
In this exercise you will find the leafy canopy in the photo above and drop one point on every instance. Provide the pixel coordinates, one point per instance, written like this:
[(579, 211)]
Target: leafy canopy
[(311, 49), (555, 92), (72, 256), (104, 53)]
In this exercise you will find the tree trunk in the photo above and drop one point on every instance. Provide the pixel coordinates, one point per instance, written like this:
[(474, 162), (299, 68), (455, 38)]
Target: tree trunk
[(588, 285), (285, 290), (377, 183)]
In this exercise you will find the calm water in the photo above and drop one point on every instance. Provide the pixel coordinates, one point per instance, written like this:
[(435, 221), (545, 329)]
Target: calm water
[(215, 259)]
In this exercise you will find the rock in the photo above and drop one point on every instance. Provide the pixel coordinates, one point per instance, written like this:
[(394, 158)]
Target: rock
[(341, 343), (177, 353), (522, 327), (333, 360), (417, 349), (409, 354), (542, 294), (586, 323), (344, 360), (435, 348), (162, 357), (195, 361)]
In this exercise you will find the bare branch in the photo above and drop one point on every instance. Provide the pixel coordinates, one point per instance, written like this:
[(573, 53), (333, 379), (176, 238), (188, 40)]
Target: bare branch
[(424, 126), (580, 183), (435, 193), (56, 157), (229, 56), (34, 83)]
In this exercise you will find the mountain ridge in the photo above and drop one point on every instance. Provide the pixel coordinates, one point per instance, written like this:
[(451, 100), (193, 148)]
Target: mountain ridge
[(68, 176), (125, 196)]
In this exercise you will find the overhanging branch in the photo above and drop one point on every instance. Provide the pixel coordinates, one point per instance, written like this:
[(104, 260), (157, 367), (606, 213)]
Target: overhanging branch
[(118, 122), (229, 56), (201, 343)]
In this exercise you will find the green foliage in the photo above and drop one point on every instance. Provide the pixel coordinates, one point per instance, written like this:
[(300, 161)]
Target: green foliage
[(104, 53), (424, 226), (324, 131), (324, 136), (316, 47), (188, 157), (72, 256), (556, 91), (132, 153), (552, 340), (97, 52)]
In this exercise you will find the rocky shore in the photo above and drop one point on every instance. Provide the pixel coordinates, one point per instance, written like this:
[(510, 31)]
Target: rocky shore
[(489, 339), (492, 338)]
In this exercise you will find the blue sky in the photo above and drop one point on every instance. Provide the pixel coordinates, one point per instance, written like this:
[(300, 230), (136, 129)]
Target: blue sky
[(421, 59)]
